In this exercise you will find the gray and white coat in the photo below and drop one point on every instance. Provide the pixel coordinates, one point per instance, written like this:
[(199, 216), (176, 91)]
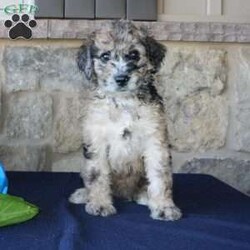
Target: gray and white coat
[(125, 137)]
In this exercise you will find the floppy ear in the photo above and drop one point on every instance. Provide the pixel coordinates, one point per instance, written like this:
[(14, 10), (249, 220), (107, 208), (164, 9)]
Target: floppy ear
[(85, 60), (154, 51)]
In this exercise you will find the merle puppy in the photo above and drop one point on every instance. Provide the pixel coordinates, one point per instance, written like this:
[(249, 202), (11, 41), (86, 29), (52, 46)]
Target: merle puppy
[(125, 140)]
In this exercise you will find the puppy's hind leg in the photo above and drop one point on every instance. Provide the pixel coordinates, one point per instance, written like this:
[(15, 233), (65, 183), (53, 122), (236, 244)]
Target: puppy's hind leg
[(141, 196), (80, 196)]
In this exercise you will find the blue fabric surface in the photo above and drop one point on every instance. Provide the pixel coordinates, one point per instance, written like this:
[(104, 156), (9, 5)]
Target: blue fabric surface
[(215, 217)]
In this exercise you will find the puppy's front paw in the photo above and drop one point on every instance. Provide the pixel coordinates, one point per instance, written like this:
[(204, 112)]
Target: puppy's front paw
[(168, 213), (98, 209)]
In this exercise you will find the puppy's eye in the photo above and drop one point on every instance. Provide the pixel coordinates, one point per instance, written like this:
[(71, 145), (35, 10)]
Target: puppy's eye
[(105, 56), (133, 55)]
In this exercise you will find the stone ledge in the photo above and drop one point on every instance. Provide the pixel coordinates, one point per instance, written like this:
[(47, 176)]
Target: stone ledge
[(164, 31), (232, 171)]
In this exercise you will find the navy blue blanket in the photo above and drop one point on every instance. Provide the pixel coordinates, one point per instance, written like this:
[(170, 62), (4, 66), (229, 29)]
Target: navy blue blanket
[(215, 217)]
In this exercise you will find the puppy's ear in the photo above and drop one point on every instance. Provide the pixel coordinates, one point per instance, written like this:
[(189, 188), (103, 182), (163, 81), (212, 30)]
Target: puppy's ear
[(154, 51), (85, 60)]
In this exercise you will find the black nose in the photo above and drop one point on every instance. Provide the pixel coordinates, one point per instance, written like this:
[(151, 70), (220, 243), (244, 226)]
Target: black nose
[(122, 80)]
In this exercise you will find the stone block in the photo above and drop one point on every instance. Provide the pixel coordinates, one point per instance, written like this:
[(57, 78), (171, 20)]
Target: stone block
[(45, 67), (71, 163), (29, 116), (77, 29), (217, 28), (60, 71), (197, 123), (41, 30), (188, 27), (189, 70), (232, 171), (22, 68), (242, 95), (203, 28), (192, 82), (67, 129), (24, 158)]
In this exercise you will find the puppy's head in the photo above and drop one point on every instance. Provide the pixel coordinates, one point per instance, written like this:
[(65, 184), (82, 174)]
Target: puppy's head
[(120, 59)]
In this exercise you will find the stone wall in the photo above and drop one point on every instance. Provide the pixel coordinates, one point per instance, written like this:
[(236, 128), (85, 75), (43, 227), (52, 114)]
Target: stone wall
[(206, 89)]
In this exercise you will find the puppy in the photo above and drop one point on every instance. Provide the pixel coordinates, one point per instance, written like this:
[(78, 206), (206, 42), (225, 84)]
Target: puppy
[(125, 140)]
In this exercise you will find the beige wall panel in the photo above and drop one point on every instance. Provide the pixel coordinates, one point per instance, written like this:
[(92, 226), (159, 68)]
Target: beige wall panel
[(236, 8), (187, 7), (232, 11)]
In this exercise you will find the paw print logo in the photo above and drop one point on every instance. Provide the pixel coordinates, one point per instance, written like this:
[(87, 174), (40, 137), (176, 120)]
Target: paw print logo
[(20, 26)]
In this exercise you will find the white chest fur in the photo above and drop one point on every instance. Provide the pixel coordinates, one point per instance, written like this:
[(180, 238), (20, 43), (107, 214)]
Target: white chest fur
[(122, 126)]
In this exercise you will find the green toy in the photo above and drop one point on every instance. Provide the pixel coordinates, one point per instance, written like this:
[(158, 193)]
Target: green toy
[(15, 210)]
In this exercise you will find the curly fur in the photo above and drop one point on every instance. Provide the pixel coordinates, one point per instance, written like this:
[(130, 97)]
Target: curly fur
[(125, 140)]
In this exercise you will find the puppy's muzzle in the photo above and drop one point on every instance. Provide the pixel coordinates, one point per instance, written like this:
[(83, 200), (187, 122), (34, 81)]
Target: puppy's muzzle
[(122, 80)]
